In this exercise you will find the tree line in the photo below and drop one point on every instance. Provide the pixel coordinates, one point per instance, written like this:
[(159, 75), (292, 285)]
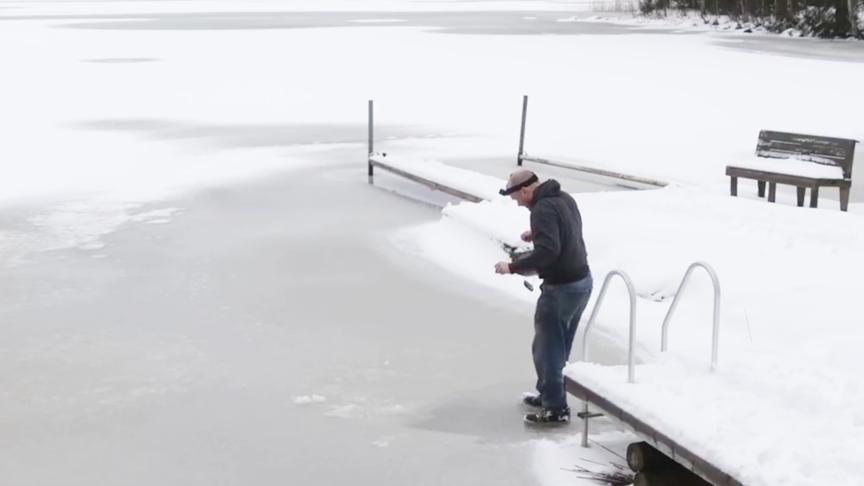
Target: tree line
[(820, 18)]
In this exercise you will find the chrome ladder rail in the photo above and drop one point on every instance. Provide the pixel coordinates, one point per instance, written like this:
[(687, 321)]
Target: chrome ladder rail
[(715, 338), (631, 373)]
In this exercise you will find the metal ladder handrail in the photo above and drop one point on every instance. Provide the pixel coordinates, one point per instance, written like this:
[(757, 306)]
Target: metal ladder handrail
[(631, 375), (664, 339)]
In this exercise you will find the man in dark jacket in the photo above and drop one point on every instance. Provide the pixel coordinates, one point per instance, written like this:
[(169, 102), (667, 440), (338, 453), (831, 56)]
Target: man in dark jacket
[(560, 259)]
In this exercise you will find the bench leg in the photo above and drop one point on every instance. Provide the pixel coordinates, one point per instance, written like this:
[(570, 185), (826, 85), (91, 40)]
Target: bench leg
[(801, 196), (772, 191), (733, 185), (844, 198), (814, 196), (761, 185)]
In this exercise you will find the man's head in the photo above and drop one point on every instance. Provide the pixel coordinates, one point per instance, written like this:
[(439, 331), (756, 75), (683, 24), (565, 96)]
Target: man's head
[(521, 186)]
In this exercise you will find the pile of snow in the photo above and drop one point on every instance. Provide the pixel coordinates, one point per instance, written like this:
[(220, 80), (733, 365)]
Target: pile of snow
[(309, 399)]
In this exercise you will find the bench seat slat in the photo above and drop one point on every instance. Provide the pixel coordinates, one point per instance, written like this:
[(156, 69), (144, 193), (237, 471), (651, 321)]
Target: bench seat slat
[(794, 167), (779, 178)]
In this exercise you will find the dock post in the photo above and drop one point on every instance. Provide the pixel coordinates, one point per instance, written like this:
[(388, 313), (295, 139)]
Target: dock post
[(585, 424), (369, 157), (522, 131)]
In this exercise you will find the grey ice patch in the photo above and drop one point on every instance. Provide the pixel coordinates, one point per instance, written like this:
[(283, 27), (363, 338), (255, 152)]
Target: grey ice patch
[(469, 22), (244, 135), (121, 60), (349, 411), (383, 441), (156, 216), (376, 21), (394, 409)]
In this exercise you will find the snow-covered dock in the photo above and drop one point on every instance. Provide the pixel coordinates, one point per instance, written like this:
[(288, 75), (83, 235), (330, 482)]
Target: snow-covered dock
[(685, 456), (780, 380), (450, 181), (475, 187)]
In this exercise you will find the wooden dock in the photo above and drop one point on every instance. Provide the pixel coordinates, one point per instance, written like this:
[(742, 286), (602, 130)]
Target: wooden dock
[(434, 185), (701, 466)]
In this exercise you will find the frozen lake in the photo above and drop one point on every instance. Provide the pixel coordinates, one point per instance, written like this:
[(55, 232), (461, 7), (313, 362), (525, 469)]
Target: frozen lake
[(175, 355), (267, 332)]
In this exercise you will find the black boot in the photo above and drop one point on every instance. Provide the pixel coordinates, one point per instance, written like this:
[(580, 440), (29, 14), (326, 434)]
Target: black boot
[(546, 416), (532, 400)]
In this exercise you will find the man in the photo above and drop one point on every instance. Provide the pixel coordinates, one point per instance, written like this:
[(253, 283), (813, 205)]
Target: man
[(560, 259)]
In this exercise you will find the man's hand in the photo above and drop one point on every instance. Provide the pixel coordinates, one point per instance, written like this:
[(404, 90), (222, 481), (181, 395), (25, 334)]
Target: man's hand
[(527, 236), (502, 268)]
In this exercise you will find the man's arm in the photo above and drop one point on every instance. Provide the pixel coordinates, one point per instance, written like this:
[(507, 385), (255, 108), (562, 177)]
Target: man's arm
[(547, 243)]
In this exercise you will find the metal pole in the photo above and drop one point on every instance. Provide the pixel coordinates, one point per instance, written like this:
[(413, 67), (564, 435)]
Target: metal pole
[(369, 157), (522, 131), (585, 424), (631, 361)]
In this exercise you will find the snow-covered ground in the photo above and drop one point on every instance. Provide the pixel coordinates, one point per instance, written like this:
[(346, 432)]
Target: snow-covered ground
[(115, 110)]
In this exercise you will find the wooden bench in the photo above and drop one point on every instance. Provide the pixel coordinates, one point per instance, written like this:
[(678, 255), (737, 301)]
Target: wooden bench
[(774, 147)]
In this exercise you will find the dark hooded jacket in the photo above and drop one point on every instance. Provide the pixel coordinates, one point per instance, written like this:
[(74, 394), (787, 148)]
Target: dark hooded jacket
[(559, 254)]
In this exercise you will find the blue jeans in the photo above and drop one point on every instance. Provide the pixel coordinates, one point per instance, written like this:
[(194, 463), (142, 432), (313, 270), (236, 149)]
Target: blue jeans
[(559, 309)]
